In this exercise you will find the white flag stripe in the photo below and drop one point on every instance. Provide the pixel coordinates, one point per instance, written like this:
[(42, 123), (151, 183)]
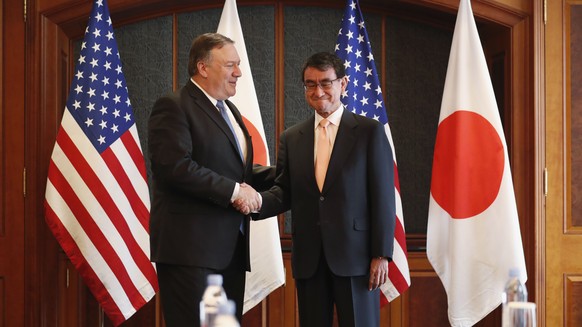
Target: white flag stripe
[(104, 223), (138, 183), (135, 136), (397, 256), (399, 212), (90, 253), (389, 135), (133, 174), (97, 114), (102, 171)]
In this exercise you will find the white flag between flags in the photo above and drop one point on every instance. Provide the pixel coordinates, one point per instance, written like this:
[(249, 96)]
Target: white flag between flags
[(473, 235), (267, 272)]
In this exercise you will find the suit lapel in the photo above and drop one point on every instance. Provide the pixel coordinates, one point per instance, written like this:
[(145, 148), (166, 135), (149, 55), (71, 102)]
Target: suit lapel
[(304, 154), (210, 109), (248, 140), (344, 142)]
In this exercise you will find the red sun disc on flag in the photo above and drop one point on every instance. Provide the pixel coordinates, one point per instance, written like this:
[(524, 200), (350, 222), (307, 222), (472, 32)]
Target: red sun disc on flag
[(468, 164), (259, 148)]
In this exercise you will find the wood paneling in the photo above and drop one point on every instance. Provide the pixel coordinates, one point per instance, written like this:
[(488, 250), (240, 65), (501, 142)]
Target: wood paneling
[(12, 113), (574, 116), (55, 294), (562, 239), (3, 308), (573, 296), (427, 310)]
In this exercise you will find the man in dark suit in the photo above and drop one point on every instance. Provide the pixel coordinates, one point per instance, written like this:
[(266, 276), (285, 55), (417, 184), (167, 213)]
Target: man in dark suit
[(201, 162), (343, 220)]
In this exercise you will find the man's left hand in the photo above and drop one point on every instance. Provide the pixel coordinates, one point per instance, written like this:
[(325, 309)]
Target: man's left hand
[(378, 272)]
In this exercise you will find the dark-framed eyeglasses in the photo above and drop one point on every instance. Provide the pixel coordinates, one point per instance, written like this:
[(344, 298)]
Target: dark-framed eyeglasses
[(325, 84)]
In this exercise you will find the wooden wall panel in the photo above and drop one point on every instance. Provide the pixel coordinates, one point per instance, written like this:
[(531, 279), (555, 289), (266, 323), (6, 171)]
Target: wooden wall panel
[(562, 235), (54, 30), (573, 296), (12, 174), (282, 304), (3, 296), (427, 310), (574, 94)]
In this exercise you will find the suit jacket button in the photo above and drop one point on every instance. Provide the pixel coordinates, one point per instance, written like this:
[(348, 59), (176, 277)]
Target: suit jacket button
[(321, 198)]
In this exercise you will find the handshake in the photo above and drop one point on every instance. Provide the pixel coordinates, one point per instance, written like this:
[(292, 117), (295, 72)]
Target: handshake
[(248, 200)]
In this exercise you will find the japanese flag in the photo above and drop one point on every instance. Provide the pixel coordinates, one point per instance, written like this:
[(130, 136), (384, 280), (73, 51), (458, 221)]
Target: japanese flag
[(473, 236)]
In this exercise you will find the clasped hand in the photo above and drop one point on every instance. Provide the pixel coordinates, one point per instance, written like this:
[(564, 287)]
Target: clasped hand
[(248, 200)]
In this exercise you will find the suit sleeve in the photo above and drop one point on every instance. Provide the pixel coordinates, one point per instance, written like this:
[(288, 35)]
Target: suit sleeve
[(170, 150), (382, 194), (263, 177), (277, 199)]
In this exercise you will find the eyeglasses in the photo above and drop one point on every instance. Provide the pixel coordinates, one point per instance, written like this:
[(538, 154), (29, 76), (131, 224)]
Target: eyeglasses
[(326, 84)]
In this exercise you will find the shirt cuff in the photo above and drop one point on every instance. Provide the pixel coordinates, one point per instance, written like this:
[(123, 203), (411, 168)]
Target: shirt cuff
[(235, 192)]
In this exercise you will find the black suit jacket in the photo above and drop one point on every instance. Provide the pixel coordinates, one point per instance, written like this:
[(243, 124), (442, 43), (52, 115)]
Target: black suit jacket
[(352, 218), (195, 164)]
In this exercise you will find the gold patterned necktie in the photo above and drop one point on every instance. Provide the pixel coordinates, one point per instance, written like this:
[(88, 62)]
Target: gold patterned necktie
[(323, 153)]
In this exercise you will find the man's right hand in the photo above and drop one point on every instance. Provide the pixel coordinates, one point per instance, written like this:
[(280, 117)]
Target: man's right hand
[(248, 200)]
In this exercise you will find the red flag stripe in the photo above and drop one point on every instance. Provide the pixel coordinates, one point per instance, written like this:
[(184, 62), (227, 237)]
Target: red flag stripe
[(400, 236), (383, 300), (398, 282), (91, 232), (399, 254), (134, 150), (72, 250), (398, 270), (125, 150), (103, 197), (99, 168), (98, 214), (396, 178), (397, 279), (123, 180)]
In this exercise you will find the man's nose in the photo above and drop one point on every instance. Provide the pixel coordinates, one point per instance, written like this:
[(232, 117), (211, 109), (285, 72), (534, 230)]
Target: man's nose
[(237, 72), (318, 90)]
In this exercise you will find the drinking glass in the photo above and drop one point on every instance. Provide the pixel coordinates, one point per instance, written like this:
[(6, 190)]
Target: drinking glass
[(522, 314)]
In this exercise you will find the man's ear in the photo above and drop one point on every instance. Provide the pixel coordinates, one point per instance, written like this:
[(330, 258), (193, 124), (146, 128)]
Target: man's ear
[(344, 82), (202, 69)]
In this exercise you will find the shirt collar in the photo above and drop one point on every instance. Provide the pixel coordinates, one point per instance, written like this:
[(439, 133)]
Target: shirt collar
[(334, 118), (212, 100)]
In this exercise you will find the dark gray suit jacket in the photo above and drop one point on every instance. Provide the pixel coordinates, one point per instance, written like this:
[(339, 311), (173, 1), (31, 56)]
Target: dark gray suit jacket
[(353, 218), (195, 164)]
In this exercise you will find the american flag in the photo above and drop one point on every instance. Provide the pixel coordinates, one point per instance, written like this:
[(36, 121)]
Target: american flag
[(363, 96), (97, 201)]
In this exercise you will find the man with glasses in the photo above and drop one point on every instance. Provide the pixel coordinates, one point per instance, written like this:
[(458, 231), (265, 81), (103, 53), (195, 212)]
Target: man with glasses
[(335, 172)]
